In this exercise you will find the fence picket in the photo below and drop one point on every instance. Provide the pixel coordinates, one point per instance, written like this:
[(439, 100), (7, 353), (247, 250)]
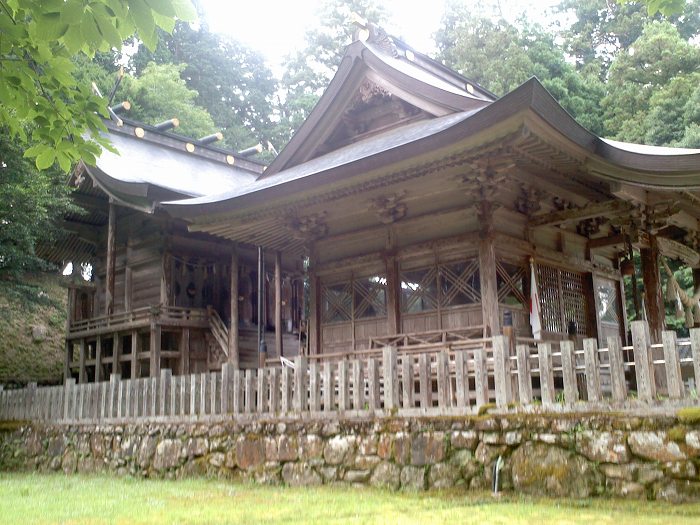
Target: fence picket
[(544, 353), (522, 353), (592, 365), (672, 365)]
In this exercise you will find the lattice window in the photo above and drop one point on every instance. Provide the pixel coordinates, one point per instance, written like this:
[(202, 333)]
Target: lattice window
[(441, 286), (359, 298), (370, 297), (336, 302), (510, 279), (562, 299), (607, 302)]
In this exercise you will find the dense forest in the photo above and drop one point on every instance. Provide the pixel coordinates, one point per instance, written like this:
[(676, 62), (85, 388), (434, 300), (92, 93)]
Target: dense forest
[(621, 72)]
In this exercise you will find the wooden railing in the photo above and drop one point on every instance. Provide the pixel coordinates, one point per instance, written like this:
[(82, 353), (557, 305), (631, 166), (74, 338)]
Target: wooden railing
[(218, 330), (432, 337), (136, 318), (552, 376)]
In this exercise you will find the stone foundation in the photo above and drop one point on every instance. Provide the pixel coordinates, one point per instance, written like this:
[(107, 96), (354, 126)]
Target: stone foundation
[(577, 456)]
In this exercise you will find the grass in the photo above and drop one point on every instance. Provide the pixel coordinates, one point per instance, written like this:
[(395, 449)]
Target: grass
[(42, 498), (36, 299)]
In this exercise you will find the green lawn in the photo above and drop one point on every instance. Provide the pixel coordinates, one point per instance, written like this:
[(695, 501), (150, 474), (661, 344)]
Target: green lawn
[(27, 498)]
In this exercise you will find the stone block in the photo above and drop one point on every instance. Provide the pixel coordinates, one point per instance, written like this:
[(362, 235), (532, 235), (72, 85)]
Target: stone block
[(443, 476), (464, 439), (655, 446), (604, 447), (300, 474), (427, 448), (339, 449), (413, 478), (386, 475), (250, 452), (167, 454)]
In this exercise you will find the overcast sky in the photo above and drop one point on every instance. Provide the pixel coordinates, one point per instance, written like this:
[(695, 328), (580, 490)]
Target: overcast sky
[(276, 27)]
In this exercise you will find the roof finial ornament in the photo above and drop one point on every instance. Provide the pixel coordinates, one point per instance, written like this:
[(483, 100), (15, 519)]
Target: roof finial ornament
[(373, 34)]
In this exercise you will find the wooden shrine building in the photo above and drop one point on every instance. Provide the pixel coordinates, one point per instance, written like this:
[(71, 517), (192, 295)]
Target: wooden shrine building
[(420, 203), (160, 296)]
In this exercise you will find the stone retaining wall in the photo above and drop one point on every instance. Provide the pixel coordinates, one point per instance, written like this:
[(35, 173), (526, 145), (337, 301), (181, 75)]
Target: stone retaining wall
[(577, 456)]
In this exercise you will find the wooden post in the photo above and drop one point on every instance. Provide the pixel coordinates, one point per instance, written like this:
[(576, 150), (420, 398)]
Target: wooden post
[(300, 385), (373, 384), (249, 386), (328, 387), (617, 369), (128, 287), (544, 351), (237, 391), (644, 369), (481, 383), (522, 353), (357, 384), (82, 371), (425, 383), (443, 380), (155, 349), (487, 272), (391, 379), (343, 390), (274, 390), (672, 365), (68, 388), (262, 390), (592, 364), (114, 381), (568, 367), (233, 350), (695, 350), (185, 351), (227, 370), (166, 377), (314, 388), (501, 370), (286, 389), (278, 304), (652, 289), (461, 379), (111, 258), (406, 381), (98, 359), (393, 299)]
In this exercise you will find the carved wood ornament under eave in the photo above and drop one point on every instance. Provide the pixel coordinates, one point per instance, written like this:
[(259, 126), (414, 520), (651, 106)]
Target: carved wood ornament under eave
[(389, 208), (485, 181), (307, 228)]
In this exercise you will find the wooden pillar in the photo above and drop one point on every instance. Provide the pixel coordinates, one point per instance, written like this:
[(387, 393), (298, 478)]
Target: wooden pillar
[(164, 280), (116, 354), (155, 349), (69, 344), (98, 359), (696, 285), (68, 358), (233, 351), (393, 290), (135, 350), (185, 351), (487, 272), (278, 303), (314, 317), (82, 372), (652, 290), (111, 259), (127, 288)]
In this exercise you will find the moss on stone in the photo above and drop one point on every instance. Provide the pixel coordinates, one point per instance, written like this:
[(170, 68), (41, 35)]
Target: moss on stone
[(689, 415), (677, 434)]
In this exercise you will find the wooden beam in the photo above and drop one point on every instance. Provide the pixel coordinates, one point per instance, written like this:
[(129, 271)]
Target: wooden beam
[(233, 350), (82, 372), (652, 289), (98, 359), (111, 259), (611, 240), (278, 303), (599, 209), (116, 353), (185, 351), (314, 314), (128, 287)]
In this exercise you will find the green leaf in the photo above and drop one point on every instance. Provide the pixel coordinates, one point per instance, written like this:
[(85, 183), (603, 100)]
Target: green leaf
[(184, 10), (163, 7), (45, 158), (142, 16)]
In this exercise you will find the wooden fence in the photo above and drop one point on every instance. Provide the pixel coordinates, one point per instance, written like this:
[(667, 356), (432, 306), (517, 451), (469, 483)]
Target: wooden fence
[(447, 382)]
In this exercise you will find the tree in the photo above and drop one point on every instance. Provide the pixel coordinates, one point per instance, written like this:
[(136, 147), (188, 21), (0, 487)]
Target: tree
[(309, 71), (160, 94), (231, 80), (501, 56), (29, 202), (637, 74), (40, 99)]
